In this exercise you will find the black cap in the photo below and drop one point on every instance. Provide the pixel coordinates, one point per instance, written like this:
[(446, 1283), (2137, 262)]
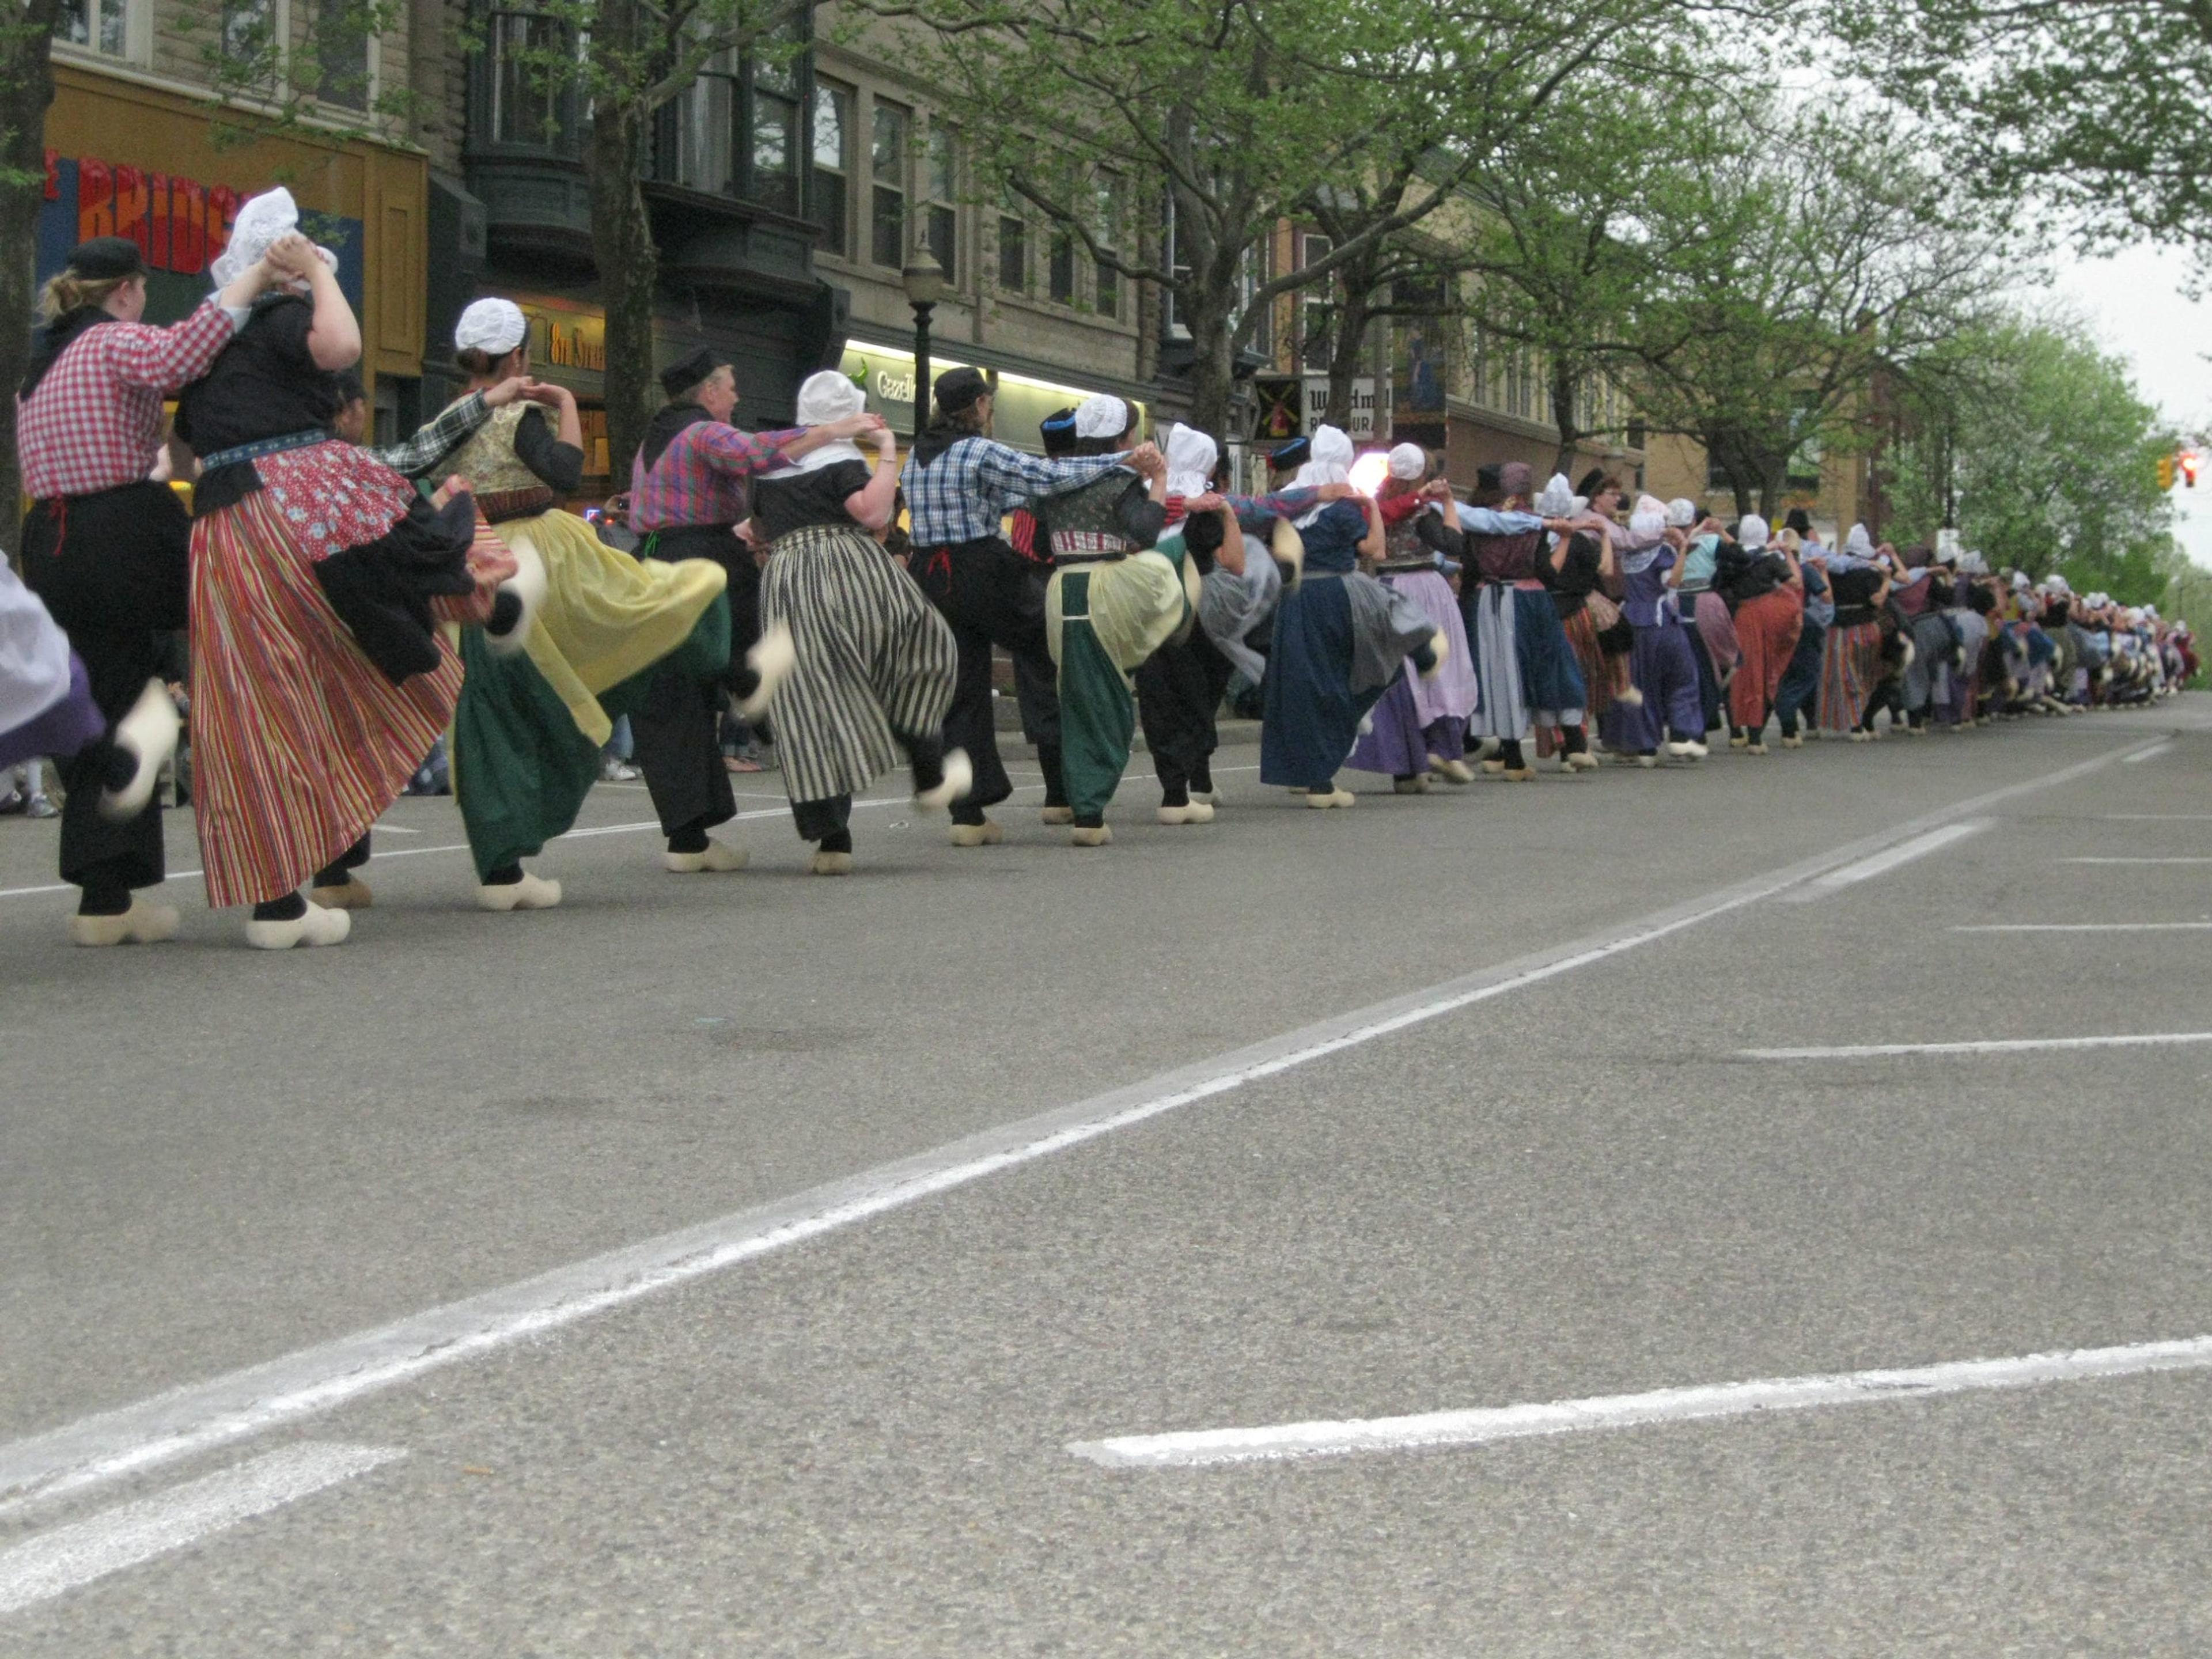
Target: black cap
[(106, 257), (1491, 477), (1058, 430), (1798, 521), (960, 388), (1297, 452), (682, 377)]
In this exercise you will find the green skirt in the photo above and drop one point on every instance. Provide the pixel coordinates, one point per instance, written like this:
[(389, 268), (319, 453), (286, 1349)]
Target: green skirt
[(520, 767)]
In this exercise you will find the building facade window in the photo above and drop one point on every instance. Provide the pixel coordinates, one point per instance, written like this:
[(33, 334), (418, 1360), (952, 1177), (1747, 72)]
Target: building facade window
[(1060, 277), (101, 26), (1106, 293), (942, 220), (252, 31), (887, 164), (523, 106), (1013, 246), (833, 167), (344, 56), (772, 126), (701, 130), (1316, 307)]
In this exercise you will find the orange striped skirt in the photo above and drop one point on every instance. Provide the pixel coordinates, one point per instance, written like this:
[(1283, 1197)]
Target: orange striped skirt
[(298, 742)]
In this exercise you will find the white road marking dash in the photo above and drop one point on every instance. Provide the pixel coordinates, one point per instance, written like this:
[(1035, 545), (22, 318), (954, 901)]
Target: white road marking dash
[(1486, 1425), (54, 1562), (2000, 1045)]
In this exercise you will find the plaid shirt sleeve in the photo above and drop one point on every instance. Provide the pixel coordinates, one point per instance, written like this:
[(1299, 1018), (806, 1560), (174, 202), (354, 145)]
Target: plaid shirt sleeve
[(1007, 478), (744, 454), (434, 442), (1280, 504), (164, 360)]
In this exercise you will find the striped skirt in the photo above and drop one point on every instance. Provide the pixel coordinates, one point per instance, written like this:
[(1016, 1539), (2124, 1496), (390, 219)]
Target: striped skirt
[(1851, 668), (299, 742), (876, 659)]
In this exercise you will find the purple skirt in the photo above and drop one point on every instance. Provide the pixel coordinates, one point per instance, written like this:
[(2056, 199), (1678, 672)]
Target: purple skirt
[(70, 725)]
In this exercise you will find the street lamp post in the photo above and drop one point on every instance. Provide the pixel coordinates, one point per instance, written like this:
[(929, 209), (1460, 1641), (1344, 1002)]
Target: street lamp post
[(924, 281)]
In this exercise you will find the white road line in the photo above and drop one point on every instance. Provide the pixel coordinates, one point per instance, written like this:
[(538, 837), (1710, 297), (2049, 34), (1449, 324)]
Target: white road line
[(2082, 928), (2154, 817), (2131, 860), (1881, 863), (2000, 1045), (2151, 753), (61, 1560), (1627, 1411), (244, 1403), (383, 829)]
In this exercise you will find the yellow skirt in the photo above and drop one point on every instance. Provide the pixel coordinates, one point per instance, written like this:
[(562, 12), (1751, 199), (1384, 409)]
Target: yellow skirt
[(607, 616)]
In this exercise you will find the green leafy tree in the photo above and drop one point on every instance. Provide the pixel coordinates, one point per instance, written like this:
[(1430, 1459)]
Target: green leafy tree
[(27, 89), (1582, 221), (1224, 119), (2102, 108), (1815, 262), (2037, 445)]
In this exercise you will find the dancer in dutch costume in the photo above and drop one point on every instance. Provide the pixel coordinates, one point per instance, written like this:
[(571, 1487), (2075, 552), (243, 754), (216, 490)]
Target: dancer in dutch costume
[(1113, 600), (319, 676), (107, 554), (1418, 731), (1341, 638), (873, 663), (531, 723)]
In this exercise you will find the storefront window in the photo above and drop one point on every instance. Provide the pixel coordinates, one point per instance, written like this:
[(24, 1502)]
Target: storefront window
[(832, 166), (887, 156)]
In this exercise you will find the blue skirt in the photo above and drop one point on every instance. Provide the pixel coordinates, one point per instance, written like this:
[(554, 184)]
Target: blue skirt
[(1309, 715)]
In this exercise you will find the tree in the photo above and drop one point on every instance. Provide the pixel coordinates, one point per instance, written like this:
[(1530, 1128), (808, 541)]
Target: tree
[(1219, 119), (2037, 443), (1580, 222), (624, 61), (2101, 107), (26, 41), (1830, 255)]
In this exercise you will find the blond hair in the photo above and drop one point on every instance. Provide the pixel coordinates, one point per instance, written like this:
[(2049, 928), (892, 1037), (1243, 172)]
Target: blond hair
[(67, 291)]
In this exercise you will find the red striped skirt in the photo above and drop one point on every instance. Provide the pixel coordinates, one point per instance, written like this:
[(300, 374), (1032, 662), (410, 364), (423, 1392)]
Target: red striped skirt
[(1851, 668), (298, 742)]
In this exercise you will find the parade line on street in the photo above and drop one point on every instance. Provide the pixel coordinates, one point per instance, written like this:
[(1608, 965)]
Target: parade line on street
[(200, 1418)]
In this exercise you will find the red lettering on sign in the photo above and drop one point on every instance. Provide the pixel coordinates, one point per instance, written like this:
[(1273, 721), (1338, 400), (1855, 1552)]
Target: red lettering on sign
[(223, 205), (53, 176), (130, 205), (187, 226), (157, 221), (95, 200)]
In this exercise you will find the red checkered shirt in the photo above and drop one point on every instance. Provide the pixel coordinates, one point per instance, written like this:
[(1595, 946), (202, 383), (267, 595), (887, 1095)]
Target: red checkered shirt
[(95, 422), (700, 476)]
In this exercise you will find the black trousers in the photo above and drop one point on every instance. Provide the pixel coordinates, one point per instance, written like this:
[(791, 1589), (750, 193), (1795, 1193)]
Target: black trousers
[(991, 595), (676, 732), (1179, 689), (115, 569)]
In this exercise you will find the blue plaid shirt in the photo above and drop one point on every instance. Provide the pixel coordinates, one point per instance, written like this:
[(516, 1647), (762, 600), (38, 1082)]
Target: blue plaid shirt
[(963, 494)]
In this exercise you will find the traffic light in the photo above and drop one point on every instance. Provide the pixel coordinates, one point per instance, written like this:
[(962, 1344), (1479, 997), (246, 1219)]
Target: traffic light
[(2190, 462), (2165, 473)]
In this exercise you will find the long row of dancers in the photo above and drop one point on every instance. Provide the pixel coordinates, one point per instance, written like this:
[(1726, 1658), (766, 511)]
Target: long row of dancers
[(345, 606)]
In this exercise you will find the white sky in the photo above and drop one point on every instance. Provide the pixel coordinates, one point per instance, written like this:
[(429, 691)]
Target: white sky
[(2134, 299)]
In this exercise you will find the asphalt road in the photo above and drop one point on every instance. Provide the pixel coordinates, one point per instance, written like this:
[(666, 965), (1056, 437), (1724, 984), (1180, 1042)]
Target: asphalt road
[(1184, 1191)]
